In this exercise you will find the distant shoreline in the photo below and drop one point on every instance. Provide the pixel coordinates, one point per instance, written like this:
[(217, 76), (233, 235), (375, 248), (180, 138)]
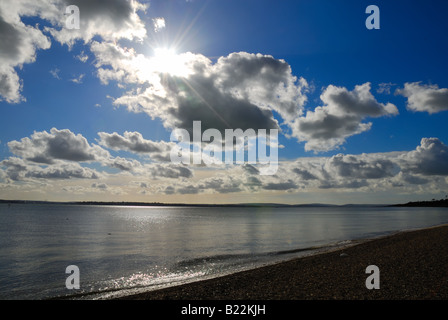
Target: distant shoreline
[(433, 203)]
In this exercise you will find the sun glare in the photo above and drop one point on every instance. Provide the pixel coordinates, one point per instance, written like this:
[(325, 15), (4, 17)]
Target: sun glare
[(166, 60)]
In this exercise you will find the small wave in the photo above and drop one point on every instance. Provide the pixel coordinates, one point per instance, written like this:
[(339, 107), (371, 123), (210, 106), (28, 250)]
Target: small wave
[(247, 257)]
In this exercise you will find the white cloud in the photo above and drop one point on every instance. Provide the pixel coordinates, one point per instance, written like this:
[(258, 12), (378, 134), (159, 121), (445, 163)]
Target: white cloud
[(425, 98), (19, 43), (78, 79), (59, 155), (47, 148), (328, 126), (62, 171), (122, 163), (55, 73), (159, 24), (385, 88), (109, 19), (132, 141), (82, 56), (429, 159), (18, 169)]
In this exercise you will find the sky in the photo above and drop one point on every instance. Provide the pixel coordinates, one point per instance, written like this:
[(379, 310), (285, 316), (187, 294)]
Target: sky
[(88, 106)]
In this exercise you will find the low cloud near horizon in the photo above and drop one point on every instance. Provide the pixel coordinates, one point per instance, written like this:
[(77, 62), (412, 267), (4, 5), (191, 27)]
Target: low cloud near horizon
[(58, 155)]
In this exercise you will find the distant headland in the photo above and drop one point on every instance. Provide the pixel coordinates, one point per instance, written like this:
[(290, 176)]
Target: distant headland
[(432, 203)]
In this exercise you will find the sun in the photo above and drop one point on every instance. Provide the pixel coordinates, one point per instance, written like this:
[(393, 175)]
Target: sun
[(166, 60), (164, 53)]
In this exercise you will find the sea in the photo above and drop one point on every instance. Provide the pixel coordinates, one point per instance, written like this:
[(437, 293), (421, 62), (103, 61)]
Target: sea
[(123, 250)]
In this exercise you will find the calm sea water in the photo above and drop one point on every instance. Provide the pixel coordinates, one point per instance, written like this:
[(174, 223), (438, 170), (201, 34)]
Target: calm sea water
[(123, 250)]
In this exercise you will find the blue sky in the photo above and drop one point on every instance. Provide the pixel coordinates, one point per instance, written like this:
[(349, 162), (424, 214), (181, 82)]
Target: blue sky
[(87, 114)]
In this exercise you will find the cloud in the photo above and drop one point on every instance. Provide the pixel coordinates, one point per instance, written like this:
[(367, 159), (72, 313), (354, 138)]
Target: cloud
[(280, 185), (385, 88), (241, 90), (222, 185), (328, 126), (171, 171), (122, 163), (101, 186), (375, 172), (62, 171), (19, 43), (169, 190), (74, 189), (361, 167), (55, 73), (132, 141), (344, 184), (15, 167), (265, 81), (111, 20), (18, 169), (304, 174), (412, 179), (424, 98), (82, 56), (159, 24), (429, 159), (78, 79), (47, 148)]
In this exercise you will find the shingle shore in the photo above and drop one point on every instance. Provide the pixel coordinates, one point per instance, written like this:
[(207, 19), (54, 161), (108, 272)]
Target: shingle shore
[(413, 265)]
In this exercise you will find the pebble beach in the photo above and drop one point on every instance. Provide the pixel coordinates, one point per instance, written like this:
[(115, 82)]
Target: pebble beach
[(413, 265)]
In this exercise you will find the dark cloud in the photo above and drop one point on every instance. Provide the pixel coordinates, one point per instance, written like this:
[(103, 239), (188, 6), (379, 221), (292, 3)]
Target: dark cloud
[(304, 174), (202, 101), (172, 171), (221, 185), (413, 179), (280, 185), (348, 166), (190, 189), (101, 186), (350, 184), (250, 169)]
